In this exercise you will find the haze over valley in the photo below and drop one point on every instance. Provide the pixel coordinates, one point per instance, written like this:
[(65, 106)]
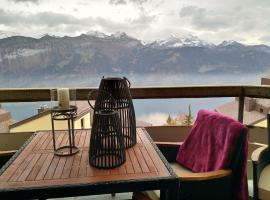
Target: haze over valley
[(50, 61)]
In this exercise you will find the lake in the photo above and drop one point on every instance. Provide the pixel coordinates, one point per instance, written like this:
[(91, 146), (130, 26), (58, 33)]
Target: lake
[(154, 111)]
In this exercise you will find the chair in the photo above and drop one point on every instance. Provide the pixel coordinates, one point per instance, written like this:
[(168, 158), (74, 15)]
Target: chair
[(261, 169), (216, 184)]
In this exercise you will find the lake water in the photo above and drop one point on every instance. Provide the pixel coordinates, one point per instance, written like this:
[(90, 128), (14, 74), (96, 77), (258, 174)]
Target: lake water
[(154, 111)]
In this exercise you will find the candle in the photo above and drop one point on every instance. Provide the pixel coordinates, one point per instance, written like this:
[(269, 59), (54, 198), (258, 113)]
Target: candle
[(63, 98)]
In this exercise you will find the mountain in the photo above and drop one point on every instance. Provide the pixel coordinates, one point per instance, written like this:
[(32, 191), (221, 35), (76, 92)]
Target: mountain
[(174, 42), (119, 54)]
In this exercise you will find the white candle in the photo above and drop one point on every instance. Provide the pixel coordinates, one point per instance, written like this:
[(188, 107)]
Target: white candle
[(63, 98)]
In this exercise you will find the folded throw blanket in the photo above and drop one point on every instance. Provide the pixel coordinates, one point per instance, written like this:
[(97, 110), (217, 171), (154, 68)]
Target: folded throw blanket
[(211, 145)]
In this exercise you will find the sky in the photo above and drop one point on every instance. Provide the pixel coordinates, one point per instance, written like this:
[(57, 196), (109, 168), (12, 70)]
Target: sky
[(245, 21)]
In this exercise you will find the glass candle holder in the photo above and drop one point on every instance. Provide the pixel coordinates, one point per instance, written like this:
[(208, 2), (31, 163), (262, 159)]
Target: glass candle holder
[(63, 98)]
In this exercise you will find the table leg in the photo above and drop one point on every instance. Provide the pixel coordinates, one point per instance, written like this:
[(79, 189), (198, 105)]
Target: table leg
[(170, 193)]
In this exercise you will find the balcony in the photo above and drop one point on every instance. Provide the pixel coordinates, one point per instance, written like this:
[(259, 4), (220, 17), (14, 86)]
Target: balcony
[(9, 143)]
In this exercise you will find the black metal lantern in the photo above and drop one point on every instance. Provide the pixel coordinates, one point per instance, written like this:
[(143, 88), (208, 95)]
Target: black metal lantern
[(68, 115), (119, 89), (107, 148)]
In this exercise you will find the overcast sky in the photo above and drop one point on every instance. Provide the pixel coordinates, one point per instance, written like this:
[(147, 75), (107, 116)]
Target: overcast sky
[(246, 21)]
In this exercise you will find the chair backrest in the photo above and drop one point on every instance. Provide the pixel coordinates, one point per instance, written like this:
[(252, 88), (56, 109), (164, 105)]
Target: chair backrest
[(212, 143), (217, 142), (237, 158)]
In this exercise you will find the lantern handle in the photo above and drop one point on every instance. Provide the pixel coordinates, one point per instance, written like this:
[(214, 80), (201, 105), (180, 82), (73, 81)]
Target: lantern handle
[(126, 79), (102, 91)]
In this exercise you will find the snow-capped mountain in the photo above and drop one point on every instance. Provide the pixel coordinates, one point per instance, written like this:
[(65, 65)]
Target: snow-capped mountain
[(187, 41), (98, 53), (96, 34), (230, 43)]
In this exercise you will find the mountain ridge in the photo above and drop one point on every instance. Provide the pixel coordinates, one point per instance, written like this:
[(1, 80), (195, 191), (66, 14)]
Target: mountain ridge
[(119, 53)]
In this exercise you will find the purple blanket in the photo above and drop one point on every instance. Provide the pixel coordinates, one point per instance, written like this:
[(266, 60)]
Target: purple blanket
[(210, 146)]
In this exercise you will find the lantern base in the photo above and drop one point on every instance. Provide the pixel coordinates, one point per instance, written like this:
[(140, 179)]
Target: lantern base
[(112, 161), (66, 151)]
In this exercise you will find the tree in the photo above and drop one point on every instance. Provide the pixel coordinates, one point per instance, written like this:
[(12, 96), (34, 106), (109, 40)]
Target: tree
[(170, 120), (188, 118)]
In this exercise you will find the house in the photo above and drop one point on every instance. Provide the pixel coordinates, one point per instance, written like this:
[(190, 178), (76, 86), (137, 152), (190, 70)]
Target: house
[(255, 109), (5, 120), (42, 120)]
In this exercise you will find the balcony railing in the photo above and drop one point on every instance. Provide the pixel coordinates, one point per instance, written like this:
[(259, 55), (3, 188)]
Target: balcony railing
[(258, 136), (241, 91)]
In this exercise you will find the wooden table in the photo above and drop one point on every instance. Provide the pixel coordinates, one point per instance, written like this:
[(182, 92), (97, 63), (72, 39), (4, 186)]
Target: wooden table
[(35, 172)]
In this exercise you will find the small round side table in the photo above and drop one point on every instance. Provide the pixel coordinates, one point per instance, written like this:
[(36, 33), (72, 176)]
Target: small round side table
[(68, 115)]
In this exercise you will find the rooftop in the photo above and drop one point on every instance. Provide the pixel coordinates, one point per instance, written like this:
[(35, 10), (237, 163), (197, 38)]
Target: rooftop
[(82, 108), (231, 109)]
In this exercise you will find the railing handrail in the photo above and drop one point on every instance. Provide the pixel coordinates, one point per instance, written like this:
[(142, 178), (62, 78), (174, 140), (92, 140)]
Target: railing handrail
[(149, 92)]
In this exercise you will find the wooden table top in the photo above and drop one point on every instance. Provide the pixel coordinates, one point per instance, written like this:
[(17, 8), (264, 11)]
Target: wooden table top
[(37, 166)]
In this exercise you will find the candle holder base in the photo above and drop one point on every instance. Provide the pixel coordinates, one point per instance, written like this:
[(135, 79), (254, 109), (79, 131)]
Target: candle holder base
[(66, 151)]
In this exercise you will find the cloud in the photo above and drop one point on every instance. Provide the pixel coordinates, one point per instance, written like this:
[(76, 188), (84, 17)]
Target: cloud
[(123, 2), (56, 19), (139, 2), (24, 1), (231, 21), (202, 18), (43, 19), (8, 17), (143, 21), (118, 2), (64, 24), (242, 20)]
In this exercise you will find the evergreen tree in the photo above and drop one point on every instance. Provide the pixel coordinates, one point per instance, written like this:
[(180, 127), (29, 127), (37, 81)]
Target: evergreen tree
[(170, 121), (188, 118)]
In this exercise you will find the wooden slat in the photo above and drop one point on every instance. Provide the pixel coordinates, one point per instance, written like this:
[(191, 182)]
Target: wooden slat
[(29, 168), (82, 139), (87, 141), (150, 163), (38, 94), (134, 161), (52, 167), (46, 142), (64, 141), (76, 165), (122, 169), (38, 166), (77, 137), (129, 167), (21, 158), (67, 168), (21, 168), (59, 139), (83, 164), (59, 169), (140, 159), (50, 145), (41, 141), (114, 171), (41, 174), (149, 148)]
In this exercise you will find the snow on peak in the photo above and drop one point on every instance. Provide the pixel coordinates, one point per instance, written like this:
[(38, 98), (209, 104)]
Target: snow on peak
[(96, 34), (188, 41), (230, 43), (119, 35)]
